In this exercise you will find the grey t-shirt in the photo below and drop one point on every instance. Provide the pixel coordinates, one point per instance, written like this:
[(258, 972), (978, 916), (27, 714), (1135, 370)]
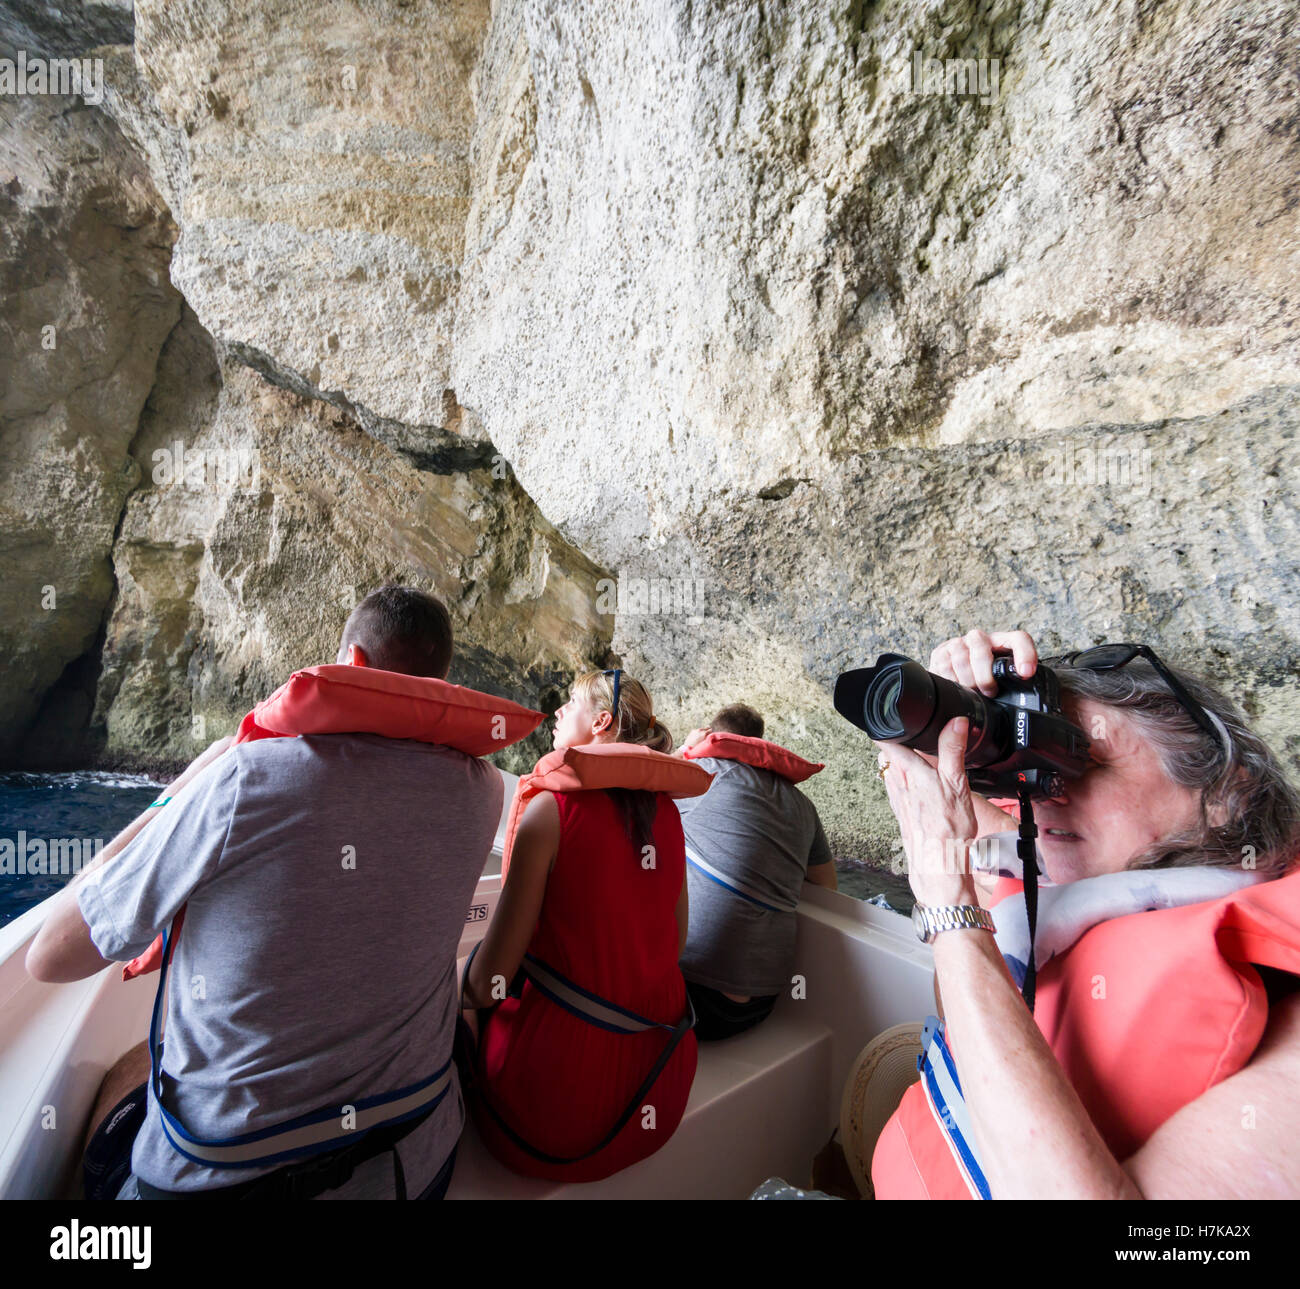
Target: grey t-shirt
[(754, 826), (326, 880)]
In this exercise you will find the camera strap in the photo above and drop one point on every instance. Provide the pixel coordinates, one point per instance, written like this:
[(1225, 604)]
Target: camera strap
[(1027, 851)]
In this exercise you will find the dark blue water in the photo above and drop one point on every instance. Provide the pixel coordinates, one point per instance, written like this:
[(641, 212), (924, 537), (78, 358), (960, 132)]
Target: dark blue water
[(87, 807), (70, 813)]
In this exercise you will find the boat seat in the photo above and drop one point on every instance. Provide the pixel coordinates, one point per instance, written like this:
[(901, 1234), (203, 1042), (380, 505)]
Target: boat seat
[(757, 1101)]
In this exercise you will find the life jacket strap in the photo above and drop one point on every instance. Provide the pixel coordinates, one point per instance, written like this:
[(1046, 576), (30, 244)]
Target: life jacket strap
[(310, 1134), (309, 1177), (734, 884), (944, 1096), (595, 1011), (587, 1006)]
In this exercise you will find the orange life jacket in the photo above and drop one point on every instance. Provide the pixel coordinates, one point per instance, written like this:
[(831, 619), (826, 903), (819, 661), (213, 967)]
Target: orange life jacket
[(603, 765), (755, 751), (1144, 1014), (343, 699)]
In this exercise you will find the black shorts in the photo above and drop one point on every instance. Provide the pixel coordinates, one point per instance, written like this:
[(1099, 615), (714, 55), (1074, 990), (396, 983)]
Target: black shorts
[(107, 1161), (717, 1016)]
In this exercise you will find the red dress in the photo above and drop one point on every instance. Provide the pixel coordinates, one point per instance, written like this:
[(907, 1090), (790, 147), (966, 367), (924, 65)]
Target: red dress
[(608, 924)]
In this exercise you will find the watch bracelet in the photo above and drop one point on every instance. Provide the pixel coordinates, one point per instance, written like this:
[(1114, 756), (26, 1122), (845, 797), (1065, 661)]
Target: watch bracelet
[(957, 917)]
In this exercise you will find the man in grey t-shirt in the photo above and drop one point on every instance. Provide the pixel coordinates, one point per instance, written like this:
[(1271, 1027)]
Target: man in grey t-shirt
[(762, 839), (326, 881)]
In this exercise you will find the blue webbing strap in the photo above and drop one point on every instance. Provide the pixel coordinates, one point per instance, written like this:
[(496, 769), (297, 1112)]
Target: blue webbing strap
[(944, 1095), (587, 1006), (732, 883), (299, 1138)]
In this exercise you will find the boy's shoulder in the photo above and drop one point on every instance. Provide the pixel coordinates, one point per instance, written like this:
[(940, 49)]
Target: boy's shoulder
[(368, 758)]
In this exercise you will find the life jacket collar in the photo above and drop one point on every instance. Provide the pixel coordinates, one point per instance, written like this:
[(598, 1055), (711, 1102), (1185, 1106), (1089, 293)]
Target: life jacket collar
[(595, 766), (342, 699), (762, 753)]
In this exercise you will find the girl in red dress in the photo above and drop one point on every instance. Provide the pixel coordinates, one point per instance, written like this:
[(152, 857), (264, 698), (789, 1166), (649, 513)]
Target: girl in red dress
[(580, 897)]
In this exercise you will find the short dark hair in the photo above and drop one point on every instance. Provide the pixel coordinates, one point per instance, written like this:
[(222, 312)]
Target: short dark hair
[(738, 719), (401, 629)]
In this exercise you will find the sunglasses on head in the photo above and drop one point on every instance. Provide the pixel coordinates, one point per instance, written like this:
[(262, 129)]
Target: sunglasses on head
[(1111, 657), (617, 674)]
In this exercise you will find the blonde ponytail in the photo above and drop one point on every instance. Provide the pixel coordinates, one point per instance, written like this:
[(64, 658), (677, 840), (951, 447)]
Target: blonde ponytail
[(635, 721)]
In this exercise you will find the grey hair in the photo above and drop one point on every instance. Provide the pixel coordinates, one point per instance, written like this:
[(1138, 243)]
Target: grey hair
[(1240, 782)]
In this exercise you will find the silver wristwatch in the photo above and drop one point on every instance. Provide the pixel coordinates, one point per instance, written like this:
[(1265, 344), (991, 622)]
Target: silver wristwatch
[(928, 922)]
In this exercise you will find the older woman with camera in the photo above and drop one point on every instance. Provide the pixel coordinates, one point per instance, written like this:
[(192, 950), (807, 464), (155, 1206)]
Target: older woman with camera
[(1162, 1054)]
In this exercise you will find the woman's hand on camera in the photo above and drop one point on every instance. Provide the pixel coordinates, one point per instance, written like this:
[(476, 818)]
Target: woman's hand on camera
[(936, 816), (968, 659)]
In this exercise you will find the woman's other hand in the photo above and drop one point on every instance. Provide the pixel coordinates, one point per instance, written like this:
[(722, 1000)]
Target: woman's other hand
[(936, 816)]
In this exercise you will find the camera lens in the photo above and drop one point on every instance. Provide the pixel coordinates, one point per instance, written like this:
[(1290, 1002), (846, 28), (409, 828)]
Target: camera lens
[(882, 706), (1017, 741), (898, 701)]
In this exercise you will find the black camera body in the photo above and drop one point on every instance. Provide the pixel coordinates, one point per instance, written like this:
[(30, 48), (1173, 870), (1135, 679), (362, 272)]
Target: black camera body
[(1019, 741)]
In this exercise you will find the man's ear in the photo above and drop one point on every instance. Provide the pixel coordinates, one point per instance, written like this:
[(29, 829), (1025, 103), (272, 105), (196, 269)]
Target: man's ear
[(357, 656)]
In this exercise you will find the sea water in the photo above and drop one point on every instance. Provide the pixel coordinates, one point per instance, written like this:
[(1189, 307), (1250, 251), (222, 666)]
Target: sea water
[(73, 815), (59, 821)]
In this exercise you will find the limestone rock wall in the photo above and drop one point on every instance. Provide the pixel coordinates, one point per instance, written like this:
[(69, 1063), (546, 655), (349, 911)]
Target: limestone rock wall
[(189, 516), (84, 249), (261, 519), (812, 358), (775, 254), (323, 188)]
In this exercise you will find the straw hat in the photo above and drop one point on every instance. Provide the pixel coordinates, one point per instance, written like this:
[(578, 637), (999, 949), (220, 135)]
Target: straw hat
[(883, 1071)]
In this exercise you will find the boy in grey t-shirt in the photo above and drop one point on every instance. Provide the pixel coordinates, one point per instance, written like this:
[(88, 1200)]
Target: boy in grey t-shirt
[(760, 834), (326, 881)]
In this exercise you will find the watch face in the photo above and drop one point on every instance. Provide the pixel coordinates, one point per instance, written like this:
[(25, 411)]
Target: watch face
[(918, 922)]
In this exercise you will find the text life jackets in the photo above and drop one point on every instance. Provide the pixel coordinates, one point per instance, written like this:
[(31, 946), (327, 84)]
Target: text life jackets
[(603, 765), (344, 699), (1144, 1013), (755, 751)]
